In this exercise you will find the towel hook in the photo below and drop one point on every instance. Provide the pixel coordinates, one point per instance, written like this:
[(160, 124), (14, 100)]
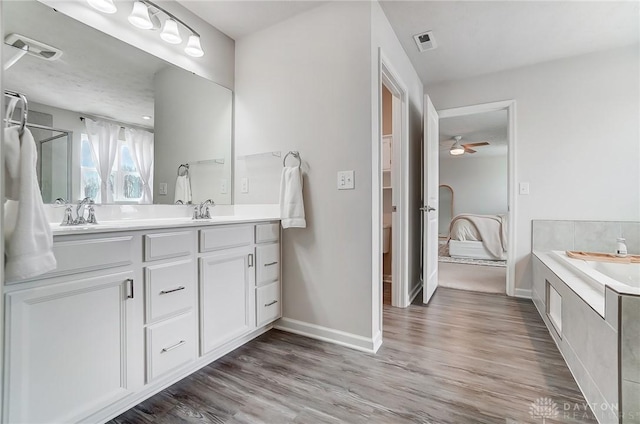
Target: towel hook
[(293, 153)]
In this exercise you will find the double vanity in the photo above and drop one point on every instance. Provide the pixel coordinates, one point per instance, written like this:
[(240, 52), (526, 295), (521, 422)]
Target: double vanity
[(134, 306)]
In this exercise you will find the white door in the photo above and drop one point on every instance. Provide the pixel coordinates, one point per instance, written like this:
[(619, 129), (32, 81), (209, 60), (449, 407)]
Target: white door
[(226, 293), (430, 202), (69, 349)]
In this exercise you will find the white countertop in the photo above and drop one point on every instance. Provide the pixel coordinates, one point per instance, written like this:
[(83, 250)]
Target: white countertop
[(150, 217)]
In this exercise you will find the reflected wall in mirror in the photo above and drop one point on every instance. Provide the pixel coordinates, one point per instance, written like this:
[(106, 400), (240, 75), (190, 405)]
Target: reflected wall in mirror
[(105, 79), (445, 215)]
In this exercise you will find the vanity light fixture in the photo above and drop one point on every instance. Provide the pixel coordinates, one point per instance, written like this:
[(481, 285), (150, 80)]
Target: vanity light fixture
[(146, 15), (139, 16), (170, 32), (104, 6), (456, 149)]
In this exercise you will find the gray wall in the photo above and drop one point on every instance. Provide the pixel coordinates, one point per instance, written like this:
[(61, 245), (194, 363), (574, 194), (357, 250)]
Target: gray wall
[(310, 84), (577, 131)]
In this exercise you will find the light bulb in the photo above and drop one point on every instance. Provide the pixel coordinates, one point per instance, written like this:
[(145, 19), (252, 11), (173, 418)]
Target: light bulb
[(456, 150), (139, 16), (104, 6), (193, 46), (170, 32)]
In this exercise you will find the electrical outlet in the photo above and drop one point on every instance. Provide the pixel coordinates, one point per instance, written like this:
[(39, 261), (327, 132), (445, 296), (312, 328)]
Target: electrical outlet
[(162, 189), (524, 188), (346, 180), (244, 185), (223, 186)]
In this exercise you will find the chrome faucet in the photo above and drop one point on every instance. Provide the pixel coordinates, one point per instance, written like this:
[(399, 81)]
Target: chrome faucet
[(80, 212), (202, 211), (206, 214)]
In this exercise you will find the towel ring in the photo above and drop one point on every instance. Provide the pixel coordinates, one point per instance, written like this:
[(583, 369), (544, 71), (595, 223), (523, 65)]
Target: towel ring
[(25, 108), (295, 154)]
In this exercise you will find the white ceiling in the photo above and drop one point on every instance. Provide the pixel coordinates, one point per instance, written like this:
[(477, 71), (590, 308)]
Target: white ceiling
[(239, 18), (96, 74), (489, 126), (481, 37), (473, 37)]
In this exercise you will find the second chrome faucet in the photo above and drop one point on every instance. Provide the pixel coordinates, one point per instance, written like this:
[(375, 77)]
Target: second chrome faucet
[(202, 210)]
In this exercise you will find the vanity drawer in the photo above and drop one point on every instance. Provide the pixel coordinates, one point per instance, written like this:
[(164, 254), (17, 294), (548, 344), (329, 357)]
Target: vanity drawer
[(225, 237), (169, 288), (267, 233), (74, 256), (267, 263), (168, 245), (170, 344), (268, 303)]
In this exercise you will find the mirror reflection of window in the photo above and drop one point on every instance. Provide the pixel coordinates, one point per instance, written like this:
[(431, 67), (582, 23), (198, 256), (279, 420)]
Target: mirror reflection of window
[(124, 182)]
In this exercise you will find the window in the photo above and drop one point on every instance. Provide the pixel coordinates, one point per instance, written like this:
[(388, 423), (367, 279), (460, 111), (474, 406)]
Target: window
[(124, 181)]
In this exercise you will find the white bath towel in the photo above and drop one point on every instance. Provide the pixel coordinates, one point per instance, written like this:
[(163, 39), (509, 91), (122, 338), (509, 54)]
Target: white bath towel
[(183, 189), (28, 237), (291, 203)]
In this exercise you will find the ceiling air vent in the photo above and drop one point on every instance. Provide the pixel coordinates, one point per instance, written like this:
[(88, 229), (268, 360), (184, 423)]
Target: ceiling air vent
[(425, 41), (33, 47)]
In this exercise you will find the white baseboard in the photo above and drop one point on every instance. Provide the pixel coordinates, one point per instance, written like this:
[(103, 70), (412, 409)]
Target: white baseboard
[(523, 293), (414, 292), (330, 335)]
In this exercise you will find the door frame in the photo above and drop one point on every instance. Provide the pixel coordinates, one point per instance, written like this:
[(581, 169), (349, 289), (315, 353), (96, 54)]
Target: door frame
[(510, 107), (391, 78)]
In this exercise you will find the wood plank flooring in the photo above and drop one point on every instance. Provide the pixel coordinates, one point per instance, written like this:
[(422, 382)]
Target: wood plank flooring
[(466, 358)]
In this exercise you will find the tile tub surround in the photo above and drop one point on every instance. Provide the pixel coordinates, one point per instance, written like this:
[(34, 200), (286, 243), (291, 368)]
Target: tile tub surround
[(590, 236), (630, 359)]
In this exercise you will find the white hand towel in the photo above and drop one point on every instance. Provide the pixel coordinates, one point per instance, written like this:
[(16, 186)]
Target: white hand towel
[(183, 189), (291, 203), (28, 237)]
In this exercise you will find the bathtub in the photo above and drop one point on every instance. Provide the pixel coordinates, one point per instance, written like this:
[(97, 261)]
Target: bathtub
[(623, 278)]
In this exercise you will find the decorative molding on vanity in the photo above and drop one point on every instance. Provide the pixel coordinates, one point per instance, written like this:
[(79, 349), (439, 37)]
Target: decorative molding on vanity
[(318, 332), (523, 293)]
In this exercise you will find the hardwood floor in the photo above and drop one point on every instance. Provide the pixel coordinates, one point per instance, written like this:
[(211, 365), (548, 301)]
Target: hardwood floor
[(466, 358)]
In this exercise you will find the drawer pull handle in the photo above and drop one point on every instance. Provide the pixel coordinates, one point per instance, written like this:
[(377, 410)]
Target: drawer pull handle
[(250, 260), (130, 288), (271, 303), (271, 264), (173, 290), (175, 346)]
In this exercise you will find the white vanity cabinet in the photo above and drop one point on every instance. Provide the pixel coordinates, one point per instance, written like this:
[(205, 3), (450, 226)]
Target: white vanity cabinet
[(73, 340), (226, 282), (267, 287), (129, 312), (170, 289)]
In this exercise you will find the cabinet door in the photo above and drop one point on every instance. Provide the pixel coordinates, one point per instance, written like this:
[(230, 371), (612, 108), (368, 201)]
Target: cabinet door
[(226, 297), (68, 351)]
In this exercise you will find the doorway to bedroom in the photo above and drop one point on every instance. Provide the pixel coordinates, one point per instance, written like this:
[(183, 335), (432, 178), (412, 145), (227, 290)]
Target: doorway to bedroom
[(473, 199)]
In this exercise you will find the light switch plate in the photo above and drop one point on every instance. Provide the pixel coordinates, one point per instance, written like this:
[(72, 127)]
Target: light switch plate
[(162, 189), (244, 185), (223, 186), (346, 180), (523, 188)]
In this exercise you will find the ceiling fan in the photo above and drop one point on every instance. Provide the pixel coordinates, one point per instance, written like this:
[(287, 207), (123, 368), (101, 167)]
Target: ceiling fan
[(459, 149)]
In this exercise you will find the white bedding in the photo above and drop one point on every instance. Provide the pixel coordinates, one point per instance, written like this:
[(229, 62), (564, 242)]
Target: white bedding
[(488, 229)]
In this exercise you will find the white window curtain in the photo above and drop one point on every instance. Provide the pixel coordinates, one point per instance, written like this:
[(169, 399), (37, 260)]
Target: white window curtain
[(103, 139), (141, 148)]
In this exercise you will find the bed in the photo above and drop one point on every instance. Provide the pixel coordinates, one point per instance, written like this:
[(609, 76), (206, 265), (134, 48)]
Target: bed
[(478, 237)]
